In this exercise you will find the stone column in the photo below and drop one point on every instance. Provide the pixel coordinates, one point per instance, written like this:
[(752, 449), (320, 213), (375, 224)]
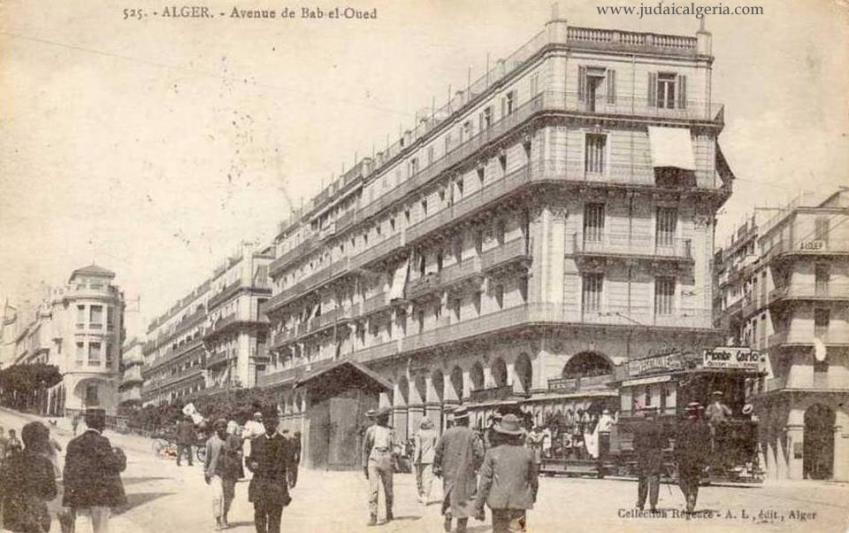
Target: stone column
[(841, 454)]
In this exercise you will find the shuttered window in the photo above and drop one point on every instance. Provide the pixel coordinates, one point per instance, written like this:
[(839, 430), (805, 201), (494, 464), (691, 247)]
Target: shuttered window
[(667, 90), (667, 222), (664, 295), (593, 222), (592, 291), (611, 86), (594, 153)]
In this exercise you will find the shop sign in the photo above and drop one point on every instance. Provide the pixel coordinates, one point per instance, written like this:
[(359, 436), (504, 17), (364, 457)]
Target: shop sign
[(732, 358), (658, 363), (563, 385)]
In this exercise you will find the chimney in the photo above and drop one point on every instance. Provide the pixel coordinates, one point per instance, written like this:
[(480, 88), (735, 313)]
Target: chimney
[(557, 27), (704, 39)]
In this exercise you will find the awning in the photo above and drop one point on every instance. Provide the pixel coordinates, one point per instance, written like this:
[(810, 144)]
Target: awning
[(671, 147), (722, 167)]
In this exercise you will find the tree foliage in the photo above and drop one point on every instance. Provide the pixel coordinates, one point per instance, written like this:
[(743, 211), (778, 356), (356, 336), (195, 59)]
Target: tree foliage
[(21, 383)]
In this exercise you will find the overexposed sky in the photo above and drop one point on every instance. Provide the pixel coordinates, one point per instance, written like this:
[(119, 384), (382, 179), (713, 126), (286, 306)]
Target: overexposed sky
[(153, 147)]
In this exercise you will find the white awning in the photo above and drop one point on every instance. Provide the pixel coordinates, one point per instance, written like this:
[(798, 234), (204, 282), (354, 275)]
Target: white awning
[(671, 147)]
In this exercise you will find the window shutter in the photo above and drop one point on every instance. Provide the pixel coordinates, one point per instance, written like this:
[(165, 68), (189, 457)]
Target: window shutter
[(652, 90), (682, 91), (503, 106), (582, 82), (611, 86)]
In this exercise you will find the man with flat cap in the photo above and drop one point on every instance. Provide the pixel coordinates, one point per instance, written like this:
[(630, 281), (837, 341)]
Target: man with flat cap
[(690, 450), (92, 475), (458, 456), (269, 489), (649, 442), (377, 463)]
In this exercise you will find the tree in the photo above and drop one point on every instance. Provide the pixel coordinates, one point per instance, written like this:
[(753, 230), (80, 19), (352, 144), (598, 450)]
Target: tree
[(22, 383)]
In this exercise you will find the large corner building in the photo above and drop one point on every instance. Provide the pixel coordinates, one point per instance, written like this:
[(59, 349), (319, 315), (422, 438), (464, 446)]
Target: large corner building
[(554, 219)]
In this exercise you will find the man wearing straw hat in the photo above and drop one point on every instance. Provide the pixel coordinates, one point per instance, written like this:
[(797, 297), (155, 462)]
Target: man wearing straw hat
[(690, 450), (378, 446), (458, 456), (508, 479)]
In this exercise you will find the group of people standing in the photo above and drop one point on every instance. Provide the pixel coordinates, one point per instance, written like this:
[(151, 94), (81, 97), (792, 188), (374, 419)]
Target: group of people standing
[(501, 474), (34, 490)]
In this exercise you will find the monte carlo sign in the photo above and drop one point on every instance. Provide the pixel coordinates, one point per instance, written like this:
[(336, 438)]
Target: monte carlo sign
[(732, 357)]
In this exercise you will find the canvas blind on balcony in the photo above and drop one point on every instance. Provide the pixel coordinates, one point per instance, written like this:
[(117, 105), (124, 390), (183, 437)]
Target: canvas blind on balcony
[(671, 147)]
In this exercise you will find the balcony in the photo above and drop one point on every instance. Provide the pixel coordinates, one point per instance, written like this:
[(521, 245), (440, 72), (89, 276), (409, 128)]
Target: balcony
[(377, 251), (794, 247), (795, 338), (468, 270), (508, 253), (345, 220), (692, 318), (305, 247), (280, 377), (466, 329), (186, 375), (376, 352), (632, 246), (378, 302), (810, 291), (217, 357), (423, 286)]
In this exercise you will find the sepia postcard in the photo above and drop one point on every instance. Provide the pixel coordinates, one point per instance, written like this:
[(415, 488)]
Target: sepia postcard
[(424, 265)]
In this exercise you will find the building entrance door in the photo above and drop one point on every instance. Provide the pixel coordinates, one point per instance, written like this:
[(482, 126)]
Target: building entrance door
[(818, 452)]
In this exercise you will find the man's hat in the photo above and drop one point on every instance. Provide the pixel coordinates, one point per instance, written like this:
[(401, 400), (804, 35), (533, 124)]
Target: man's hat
[(257, 416), (426, 423), (460, 412), (717, 393), (383, 412), (748, 409), (605, 411), (509, 425), (693, 406), (371, 413)]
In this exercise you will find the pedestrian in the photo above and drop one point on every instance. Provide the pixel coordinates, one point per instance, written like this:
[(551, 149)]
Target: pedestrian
[(220, 470), (378, 448), (547, 437), (4, 444), (534, 442), (424, 446), (605, 426), (268, 490), (13, 446), (92, 474), (185, 438), (458, 456), (27, 483), (717, 414), (489, 432), (234, 447), (649, 442), (690, 454), (294, 459), (253, 429), (508, 479), (75, 422)]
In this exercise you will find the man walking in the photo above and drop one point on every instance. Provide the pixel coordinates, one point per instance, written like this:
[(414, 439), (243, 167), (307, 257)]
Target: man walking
[(294, 459), (458, 456), (92, 473), (377, 460), (424, 446), (690, 450), (221, 471), (185, 438), (649, 443), (508, 479), (268, 490)]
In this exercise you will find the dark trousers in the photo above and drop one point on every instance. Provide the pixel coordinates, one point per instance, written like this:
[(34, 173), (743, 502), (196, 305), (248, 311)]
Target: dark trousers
[(508, 520), (648, 484), (267, 516), (689, 484), (184, 448)]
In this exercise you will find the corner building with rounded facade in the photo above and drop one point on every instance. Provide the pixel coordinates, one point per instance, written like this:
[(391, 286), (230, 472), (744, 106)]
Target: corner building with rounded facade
[(553, 220)]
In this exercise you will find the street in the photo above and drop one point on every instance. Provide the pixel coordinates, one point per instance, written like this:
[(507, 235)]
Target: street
[(164, 497)]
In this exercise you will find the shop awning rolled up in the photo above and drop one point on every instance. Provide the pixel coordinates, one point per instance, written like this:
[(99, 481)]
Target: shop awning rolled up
[(671, 147)]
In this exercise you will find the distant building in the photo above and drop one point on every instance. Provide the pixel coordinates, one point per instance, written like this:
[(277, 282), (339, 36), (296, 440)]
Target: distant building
[(784, 290), (132, 361), (214, 338), (78, 328), (553, 220)]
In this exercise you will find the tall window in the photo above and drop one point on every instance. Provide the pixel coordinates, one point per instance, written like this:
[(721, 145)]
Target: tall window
[(593, 222), (534, 84), (108, 355), (664, 295), (499, 296), (821, 276), (592, 291), (594, 153), (509, 102), (667, 222), (80, 316), (486, 118), (456, 305), (110, 318), (821, 320), (94, 353), (96, 316), (80, 353)]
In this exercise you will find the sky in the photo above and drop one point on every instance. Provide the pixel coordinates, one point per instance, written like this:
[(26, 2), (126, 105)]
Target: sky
[(154, 147)]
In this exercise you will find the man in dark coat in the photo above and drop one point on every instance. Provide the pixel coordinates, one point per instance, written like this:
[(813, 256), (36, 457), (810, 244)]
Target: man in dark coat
[(508, 478), (92, 473), (27, 483), (268, 490), (458, 456), (185, 439), (690, 453), (649, 442)]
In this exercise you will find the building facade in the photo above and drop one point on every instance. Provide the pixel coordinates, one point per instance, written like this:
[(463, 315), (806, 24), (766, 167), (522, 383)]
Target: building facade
[(214, 338), (793, 305), (553, 220), (132, 361), (79, 328)]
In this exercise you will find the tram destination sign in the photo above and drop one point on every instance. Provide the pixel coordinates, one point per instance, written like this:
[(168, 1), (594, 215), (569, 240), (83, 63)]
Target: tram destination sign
[(732, 357), (657, 363)]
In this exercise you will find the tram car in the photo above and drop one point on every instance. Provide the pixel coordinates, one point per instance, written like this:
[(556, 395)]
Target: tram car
[(596, 437)]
